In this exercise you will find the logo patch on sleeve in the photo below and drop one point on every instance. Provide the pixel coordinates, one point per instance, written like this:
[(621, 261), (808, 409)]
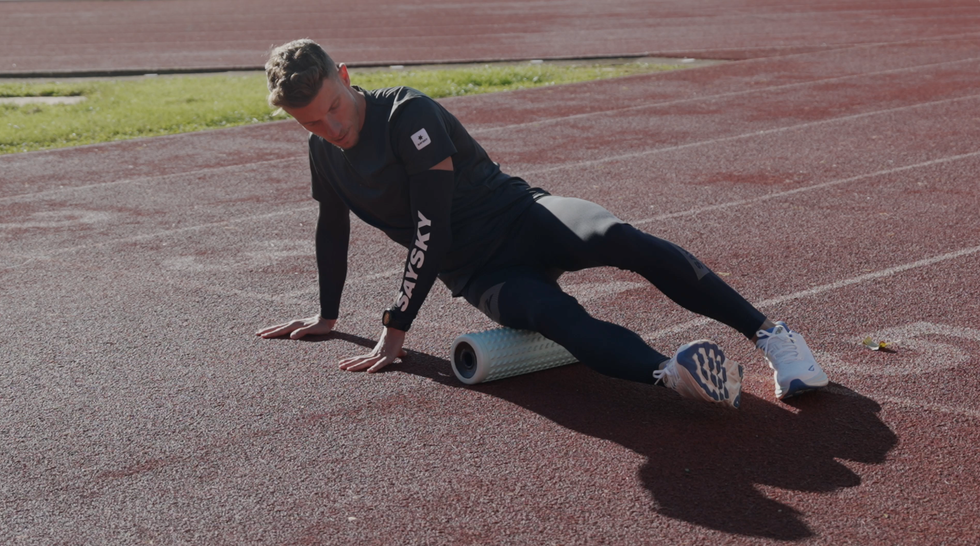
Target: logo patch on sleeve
[(421, 139)]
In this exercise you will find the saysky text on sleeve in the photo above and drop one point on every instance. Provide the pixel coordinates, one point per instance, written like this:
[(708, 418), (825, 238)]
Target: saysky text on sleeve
[(431, 200)]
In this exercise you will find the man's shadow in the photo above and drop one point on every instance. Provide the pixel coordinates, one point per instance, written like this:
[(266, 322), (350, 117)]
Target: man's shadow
[(704, 463)]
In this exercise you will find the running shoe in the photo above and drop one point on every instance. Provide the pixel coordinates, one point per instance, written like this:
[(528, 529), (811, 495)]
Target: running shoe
[(796, 371), (699, 370)]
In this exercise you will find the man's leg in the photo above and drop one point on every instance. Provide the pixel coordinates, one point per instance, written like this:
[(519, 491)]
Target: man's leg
[(573, 234), (528, 299)]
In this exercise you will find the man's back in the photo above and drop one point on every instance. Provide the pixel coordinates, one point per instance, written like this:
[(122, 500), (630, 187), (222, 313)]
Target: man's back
[(406, 133)]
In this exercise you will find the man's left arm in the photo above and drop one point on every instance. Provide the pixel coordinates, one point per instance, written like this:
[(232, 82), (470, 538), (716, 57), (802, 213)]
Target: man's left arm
[(431, 194)]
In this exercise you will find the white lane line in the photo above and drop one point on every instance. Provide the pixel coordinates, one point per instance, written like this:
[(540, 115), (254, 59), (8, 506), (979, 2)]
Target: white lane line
[(162, 233), (764, 132), (293, 298), (59, 219), (919, 405), (888, 272), (703, 98), (139, 180), (690, 212), (907, 403), (822, 185)]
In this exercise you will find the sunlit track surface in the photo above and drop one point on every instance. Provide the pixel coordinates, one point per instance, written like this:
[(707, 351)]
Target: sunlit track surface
[(834, 185)]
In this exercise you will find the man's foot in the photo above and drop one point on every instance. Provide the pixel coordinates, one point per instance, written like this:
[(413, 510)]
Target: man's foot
[(699, 370), (796, 371)]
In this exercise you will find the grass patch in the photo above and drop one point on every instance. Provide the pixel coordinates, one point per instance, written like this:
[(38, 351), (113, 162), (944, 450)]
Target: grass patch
[(494, 79), (152, 106)]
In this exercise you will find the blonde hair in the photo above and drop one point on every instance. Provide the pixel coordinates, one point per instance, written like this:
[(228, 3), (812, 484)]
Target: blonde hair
[(295, 73)]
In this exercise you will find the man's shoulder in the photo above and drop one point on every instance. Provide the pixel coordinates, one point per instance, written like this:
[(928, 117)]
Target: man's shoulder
[(395, 95), (403, 102)]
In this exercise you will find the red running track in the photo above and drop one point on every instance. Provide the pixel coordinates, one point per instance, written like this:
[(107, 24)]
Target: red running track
[(157, 36), (835, 187)]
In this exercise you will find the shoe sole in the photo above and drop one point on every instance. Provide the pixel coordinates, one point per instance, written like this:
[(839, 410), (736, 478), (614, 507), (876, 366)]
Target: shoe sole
[(798, 386), (706, 365)]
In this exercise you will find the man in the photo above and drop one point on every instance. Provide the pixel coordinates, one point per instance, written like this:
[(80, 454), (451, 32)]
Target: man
[(405, 165)]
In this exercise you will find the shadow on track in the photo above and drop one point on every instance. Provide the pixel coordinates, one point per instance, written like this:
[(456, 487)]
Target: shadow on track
[(705, 464)]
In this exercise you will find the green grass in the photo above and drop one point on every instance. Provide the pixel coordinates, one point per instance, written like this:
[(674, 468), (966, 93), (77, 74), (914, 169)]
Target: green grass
[(150, 106)]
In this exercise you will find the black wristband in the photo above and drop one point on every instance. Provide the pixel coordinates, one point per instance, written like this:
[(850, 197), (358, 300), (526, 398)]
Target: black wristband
[(393, 317)]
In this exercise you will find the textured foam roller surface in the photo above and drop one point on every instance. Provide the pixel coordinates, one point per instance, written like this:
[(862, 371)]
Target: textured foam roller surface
[(503, 352)]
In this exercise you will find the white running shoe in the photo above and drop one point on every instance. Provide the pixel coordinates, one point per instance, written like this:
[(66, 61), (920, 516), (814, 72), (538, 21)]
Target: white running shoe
[(796, 371), (700, 370)]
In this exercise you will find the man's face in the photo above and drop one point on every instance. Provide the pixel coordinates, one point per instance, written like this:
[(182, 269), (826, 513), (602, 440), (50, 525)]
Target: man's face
[(336, 113)]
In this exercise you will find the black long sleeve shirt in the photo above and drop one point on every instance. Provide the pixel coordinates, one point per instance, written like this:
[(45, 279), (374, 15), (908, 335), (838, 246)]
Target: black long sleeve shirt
[(449, 226)]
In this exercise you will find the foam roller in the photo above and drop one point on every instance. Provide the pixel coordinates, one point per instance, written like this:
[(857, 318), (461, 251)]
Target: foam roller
[(495, 354)]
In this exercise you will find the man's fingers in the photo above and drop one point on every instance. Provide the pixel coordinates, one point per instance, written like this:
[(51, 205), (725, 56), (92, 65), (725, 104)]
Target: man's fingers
[(318, 328), (280, 329), (369, 363), (266, 331), (380, 364), (299, 328), (357, 364), (353, 361)]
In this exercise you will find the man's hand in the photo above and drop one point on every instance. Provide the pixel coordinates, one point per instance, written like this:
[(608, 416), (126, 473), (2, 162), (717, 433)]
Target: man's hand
[(389, 348), (313, 326)]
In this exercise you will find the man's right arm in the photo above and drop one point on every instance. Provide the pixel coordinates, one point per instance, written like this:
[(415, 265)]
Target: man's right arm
[(332, 241), (332, 238)]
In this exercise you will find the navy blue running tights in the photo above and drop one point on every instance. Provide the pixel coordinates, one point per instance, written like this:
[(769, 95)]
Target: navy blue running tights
[(518, 288)]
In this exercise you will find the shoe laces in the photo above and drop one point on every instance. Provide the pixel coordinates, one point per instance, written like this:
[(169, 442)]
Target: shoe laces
[(667, 375), (779, 345)]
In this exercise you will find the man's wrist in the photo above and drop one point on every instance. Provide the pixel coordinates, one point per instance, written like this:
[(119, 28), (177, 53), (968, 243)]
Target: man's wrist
[(393, 317)]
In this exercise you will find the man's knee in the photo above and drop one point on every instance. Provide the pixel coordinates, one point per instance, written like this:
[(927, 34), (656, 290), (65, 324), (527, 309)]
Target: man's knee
[(528, 305), (489, 302)]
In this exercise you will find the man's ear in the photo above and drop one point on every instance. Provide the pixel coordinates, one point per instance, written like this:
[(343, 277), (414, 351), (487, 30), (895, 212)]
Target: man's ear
[(342, 72)]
